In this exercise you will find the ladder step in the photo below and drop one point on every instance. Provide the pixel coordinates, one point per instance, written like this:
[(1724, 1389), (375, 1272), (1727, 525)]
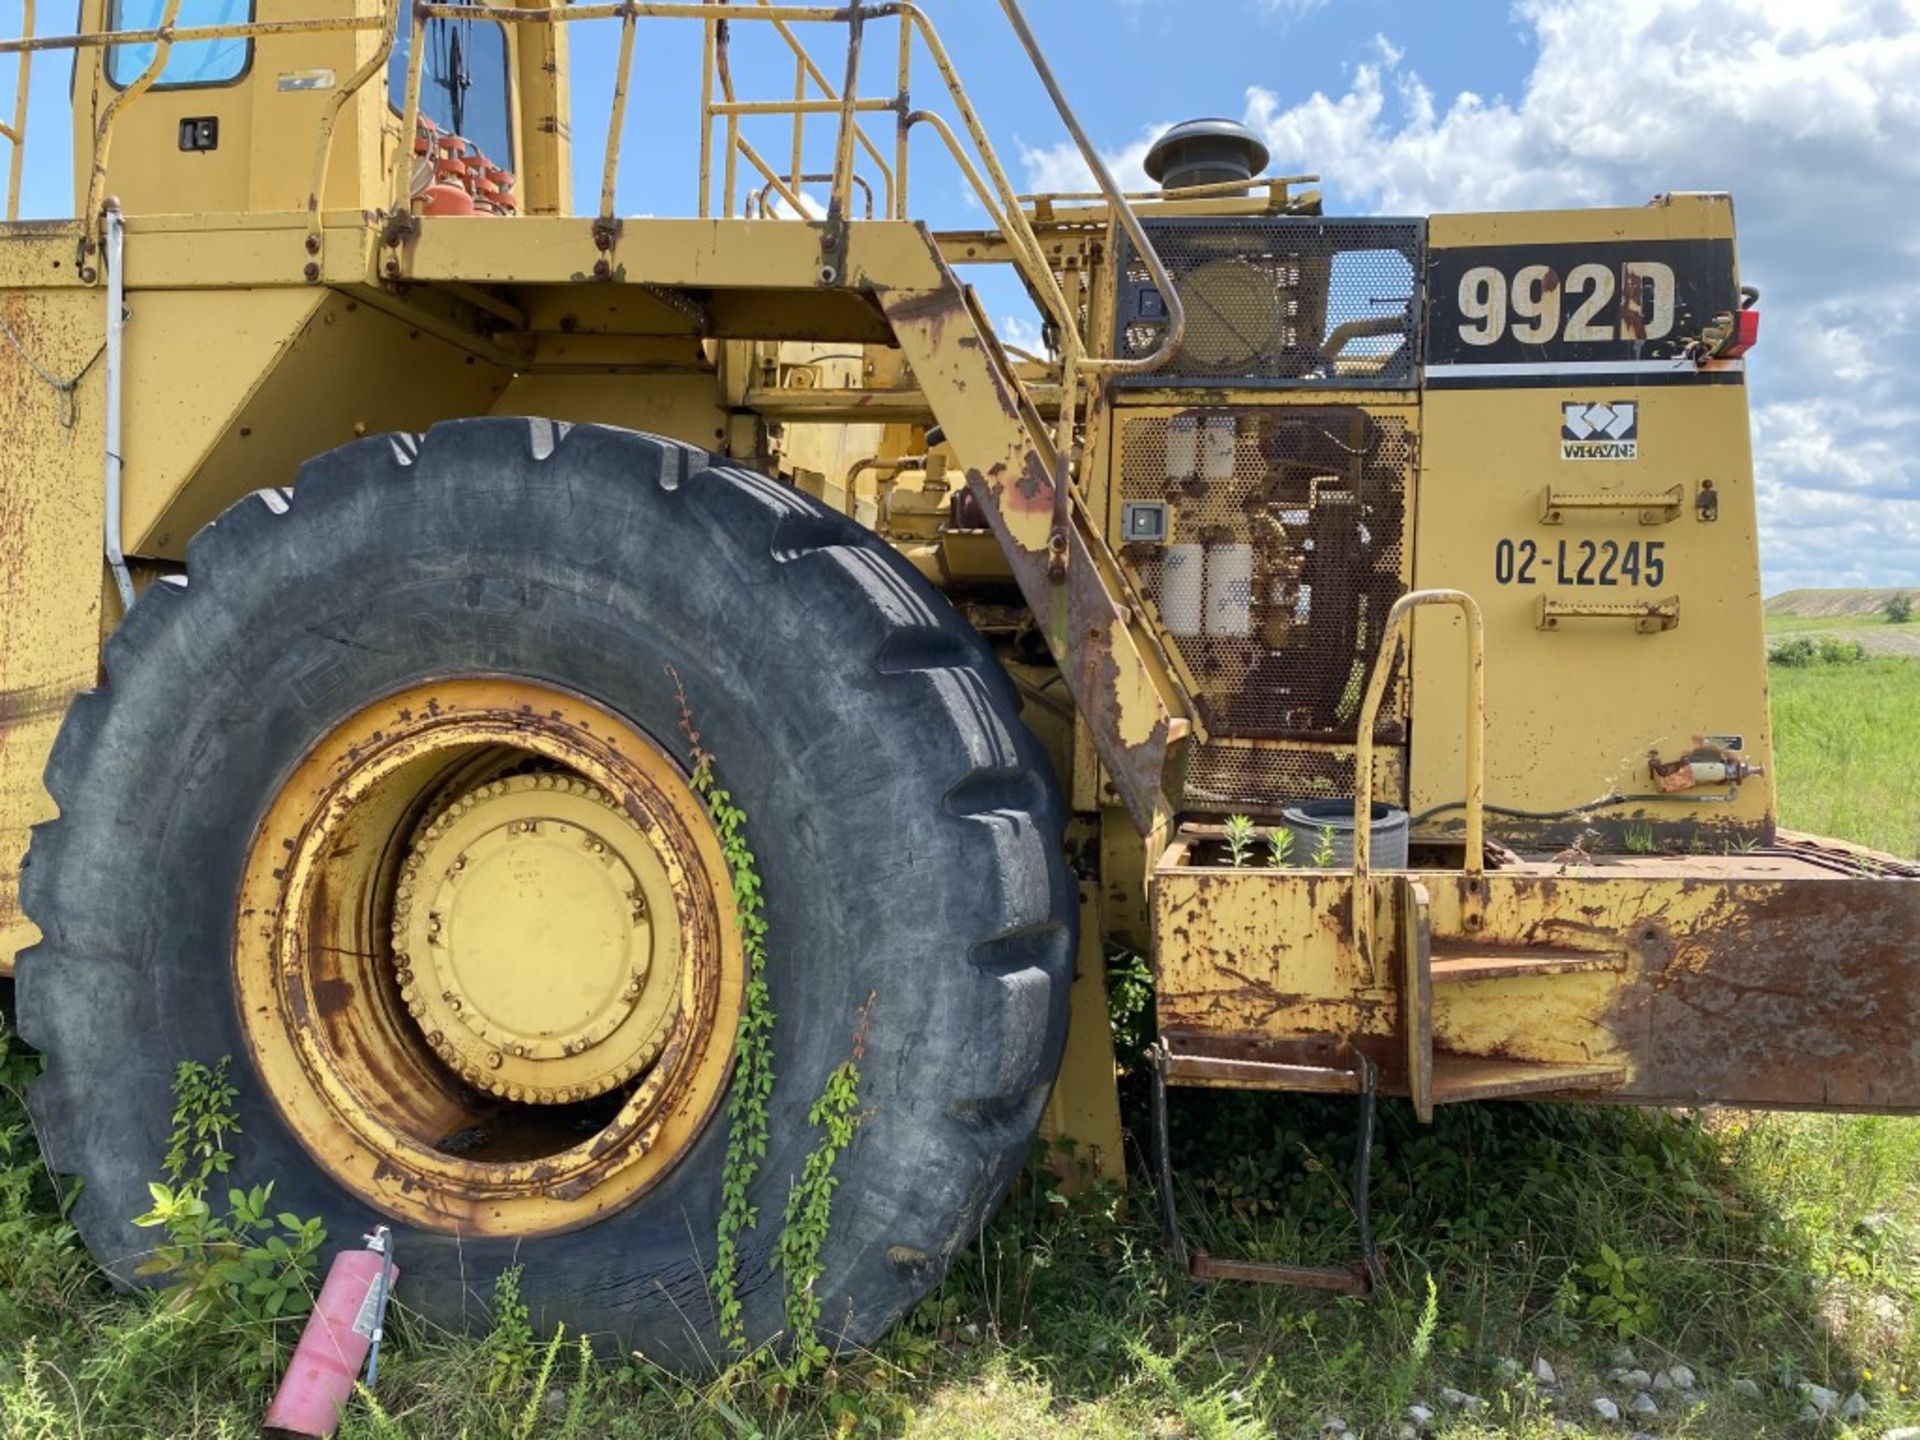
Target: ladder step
[(1478, 1077), (1454, 962)]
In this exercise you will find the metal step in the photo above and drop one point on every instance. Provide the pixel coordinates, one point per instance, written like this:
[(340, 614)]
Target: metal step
[(1480, 1077), (1455, 961), (1217, 1072)]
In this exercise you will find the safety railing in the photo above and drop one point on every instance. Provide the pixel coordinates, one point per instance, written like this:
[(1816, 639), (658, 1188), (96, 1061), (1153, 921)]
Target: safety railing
[(15, 133), (1391, 646), (814, 94)]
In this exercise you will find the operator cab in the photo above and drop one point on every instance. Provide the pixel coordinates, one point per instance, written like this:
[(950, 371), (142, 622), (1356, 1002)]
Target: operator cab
[(228, 124)]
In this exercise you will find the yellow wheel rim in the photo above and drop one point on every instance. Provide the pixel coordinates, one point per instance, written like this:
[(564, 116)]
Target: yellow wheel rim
[(486, 958)]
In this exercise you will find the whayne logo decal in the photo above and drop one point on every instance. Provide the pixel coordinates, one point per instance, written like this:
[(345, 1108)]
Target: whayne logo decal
[(1599, 430)]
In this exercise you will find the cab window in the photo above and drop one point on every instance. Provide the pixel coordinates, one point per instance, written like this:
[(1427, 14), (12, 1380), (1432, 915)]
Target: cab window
[(464, 82), (204, 62)]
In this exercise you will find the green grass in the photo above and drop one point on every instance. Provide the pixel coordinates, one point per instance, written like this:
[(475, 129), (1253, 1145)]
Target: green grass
[(1768, 1249), (1847, 742)]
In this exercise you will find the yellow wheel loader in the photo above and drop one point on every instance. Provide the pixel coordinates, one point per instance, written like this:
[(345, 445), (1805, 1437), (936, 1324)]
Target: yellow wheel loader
[(544, 692)]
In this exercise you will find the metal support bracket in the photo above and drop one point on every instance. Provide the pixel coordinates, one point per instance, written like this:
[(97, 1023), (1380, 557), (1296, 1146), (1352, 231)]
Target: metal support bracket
[(1363, 1278), (1649, 617), (1656, 509), (1416, 995), (606, 235)]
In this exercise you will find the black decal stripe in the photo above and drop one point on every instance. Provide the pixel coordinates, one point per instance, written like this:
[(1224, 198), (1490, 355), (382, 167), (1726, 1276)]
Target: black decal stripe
[(1578, 379)]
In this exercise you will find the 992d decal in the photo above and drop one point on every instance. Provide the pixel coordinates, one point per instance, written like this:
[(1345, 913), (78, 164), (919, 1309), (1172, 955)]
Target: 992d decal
[(1564, 313)]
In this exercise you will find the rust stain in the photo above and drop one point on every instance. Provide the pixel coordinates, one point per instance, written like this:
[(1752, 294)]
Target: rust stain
[(32, 702)]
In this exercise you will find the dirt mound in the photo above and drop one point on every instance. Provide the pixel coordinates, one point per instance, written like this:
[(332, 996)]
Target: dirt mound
[(1820, 603)]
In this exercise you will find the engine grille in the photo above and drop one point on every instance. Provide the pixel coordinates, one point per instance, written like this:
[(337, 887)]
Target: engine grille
[(1244, 779), (1283, 300), (1285, 543)]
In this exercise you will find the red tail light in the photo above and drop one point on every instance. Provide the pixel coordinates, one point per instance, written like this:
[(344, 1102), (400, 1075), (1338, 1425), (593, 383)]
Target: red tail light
[(1746, 331)]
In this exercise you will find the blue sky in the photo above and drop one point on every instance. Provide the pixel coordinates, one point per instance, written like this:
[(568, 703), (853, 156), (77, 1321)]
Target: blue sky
[(1803, 111)]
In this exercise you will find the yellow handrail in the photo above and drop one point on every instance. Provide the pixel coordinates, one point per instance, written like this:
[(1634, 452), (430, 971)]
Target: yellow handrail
[(323, 150), (103, 129), (16, 133), (1390, 646), (993, 187)]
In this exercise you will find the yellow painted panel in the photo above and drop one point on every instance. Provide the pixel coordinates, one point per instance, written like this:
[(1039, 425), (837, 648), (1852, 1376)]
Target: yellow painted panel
[(50, 549), (684, 406), (346, 369), (182, 391), (1681, 216), (1573, 712), (1084, 1107)]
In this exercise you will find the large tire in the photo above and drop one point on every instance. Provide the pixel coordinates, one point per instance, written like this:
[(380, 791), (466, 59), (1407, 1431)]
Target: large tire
[(907, 829)]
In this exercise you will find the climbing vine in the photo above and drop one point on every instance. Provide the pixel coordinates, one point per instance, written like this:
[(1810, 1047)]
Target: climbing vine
[(752, 1040), (803, 1230), (835, 1114)]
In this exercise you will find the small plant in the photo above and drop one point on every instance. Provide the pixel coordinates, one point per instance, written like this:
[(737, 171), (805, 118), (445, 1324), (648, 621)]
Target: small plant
[(1279, 847), (247, 1263), (1240, 840), (27, 1410), (1406, 1375), (1638, 839), (1323, 849), (1899, 608), (537, 1395), (203, 1118), (1130, 1007), (510, 1343), (1221, 1410), (1618, 1297)]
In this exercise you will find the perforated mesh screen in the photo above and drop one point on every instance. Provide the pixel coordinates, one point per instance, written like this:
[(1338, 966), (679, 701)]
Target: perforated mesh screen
[(1278, 301), (1286, 536), (1242, 779)]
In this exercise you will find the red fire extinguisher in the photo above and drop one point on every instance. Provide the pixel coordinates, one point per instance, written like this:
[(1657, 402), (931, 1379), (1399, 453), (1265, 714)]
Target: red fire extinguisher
[(345, 1325)]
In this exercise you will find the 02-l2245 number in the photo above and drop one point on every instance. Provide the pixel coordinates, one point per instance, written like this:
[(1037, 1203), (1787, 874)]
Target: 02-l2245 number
[(1580, 562)]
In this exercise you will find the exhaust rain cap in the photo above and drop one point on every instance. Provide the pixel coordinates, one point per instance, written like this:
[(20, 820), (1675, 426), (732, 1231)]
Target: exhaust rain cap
[(1205, 152)]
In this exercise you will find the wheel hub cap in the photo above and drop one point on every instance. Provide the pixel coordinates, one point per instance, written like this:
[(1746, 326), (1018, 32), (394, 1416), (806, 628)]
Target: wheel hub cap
[(587, 1008)]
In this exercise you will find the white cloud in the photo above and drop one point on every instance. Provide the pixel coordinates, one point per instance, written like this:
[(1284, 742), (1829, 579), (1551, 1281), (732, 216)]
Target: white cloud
[(1022, 332), (1809, 114), (1292, 9), (1059, 169)]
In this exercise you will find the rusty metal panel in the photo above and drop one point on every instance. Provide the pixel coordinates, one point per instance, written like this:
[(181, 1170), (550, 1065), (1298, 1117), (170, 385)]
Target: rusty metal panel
[(299, 372), (1105, 653), (1765, 981)]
